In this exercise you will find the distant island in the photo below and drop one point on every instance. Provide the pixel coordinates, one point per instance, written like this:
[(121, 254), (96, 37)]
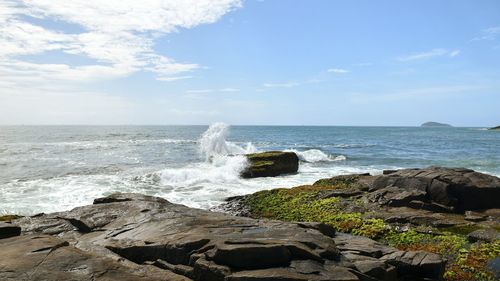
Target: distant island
[(435, 124), (497, 128)]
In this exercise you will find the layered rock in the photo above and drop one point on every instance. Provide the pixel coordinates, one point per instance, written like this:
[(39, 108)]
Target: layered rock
[(137, 237), (270, 164), (457, 188)]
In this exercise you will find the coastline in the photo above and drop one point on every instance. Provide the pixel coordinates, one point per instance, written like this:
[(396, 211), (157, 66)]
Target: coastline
[(380, 246)]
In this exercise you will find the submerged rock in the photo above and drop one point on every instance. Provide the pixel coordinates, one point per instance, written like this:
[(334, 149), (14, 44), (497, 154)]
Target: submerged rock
[(271, 164), (138, 237)]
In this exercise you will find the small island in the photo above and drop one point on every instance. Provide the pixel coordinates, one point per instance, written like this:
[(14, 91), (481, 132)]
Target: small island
[(435, 124), (497, 128)]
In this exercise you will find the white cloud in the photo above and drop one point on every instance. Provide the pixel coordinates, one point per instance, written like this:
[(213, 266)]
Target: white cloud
[(291, 84), (454, 53), (491, 33), (338, 70), (202, 91), (428, 55), (93, 40), (363, 64), (36, 106), (281, 85), (118, 35), (229, 90), (174, 78)]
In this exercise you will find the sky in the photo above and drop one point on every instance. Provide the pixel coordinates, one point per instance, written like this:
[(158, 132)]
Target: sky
[(254, 62)]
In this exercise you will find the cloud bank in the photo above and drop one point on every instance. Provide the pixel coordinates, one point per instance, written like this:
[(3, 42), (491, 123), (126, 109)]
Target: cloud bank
[(116, 36)]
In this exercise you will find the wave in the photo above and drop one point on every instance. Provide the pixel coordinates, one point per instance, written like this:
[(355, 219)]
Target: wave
[(316, 155), (91, 144), (220, 170), (213, 143), (353, 145)]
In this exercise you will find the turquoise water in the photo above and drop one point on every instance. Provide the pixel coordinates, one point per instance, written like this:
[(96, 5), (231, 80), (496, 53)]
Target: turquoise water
[(53, 168)]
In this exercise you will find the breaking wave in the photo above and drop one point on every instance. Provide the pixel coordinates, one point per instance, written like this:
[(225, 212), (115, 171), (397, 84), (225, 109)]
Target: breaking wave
[(316, 155)]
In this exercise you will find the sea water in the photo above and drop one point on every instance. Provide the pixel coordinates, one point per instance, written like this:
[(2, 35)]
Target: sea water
[(56, 168)]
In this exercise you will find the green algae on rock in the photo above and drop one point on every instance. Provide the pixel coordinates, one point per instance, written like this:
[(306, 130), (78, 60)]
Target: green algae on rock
[(9, 217)]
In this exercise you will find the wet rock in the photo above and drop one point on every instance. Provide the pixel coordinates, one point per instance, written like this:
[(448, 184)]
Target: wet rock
[(271, 164)]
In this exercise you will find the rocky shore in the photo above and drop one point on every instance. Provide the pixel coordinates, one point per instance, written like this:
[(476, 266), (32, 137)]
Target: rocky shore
[(417, 224), (138, 237), (453, 212)]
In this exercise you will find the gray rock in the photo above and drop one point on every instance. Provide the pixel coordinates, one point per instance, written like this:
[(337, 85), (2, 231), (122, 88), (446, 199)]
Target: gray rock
[(377, 269), (458, 188), (416, 263), (487, 235), (138, 237), (43, 257)]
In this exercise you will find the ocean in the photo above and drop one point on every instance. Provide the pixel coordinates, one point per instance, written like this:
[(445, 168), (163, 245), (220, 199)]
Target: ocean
[(56, 168)]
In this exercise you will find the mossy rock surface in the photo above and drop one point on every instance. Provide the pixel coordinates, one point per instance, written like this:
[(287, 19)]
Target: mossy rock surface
[(9, 217), (271, 164)]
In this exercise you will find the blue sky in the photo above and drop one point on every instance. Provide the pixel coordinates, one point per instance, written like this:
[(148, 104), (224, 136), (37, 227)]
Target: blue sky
[(250, 62)]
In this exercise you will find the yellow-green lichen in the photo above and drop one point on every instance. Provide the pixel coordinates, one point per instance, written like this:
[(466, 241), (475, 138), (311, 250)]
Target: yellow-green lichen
[(9, 217), (303, 204)]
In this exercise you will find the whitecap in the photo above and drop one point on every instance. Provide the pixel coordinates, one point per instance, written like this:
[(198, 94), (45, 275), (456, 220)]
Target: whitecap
[(316, 155)]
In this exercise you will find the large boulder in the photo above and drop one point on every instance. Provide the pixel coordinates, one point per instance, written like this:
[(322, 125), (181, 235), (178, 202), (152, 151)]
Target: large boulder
[(138, 237), (458, 188), (270, 164)]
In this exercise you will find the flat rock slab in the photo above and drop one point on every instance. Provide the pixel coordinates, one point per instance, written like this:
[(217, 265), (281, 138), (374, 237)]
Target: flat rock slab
[(148, 238), (43, 257)]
